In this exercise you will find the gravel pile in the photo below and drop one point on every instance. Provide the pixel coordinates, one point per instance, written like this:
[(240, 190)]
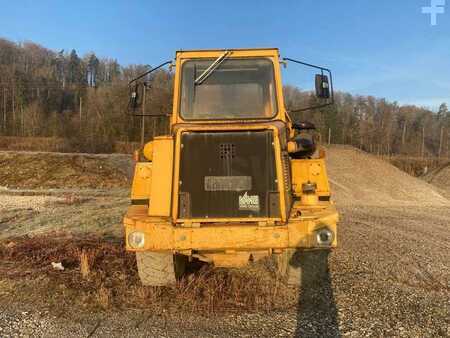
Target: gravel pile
[(358, 178)]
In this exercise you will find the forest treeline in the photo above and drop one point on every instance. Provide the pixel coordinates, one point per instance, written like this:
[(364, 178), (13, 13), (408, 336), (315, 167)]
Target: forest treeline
[(84, 100)]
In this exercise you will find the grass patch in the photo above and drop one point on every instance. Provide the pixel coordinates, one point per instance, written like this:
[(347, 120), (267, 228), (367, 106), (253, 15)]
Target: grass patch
[(100, 275)]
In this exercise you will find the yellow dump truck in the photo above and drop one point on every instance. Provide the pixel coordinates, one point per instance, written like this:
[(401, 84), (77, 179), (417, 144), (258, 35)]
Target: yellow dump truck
[(234, 180)]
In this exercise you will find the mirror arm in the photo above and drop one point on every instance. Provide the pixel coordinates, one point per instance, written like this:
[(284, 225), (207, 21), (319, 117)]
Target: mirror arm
[(322, 69), (307, 64), (145, 85), (150, 71), (311, 107)]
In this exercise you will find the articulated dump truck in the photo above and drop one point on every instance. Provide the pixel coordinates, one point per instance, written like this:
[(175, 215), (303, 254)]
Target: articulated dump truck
[(236, 179)]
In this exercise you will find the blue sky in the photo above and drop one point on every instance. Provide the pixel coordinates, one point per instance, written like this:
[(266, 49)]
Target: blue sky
[(385, 48)]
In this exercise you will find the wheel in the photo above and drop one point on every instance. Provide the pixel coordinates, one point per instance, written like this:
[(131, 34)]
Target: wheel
[(301, 267), (160, 269)]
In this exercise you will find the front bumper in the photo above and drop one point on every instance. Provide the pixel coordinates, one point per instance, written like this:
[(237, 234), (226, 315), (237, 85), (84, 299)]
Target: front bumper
[(161, 235)]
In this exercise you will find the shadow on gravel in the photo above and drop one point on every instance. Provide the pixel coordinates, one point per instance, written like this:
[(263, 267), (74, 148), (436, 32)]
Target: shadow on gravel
[(316, 313)]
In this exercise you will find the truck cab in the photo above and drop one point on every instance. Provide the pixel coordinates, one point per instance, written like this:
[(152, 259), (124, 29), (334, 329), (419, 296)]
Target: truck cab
[(233, 181)]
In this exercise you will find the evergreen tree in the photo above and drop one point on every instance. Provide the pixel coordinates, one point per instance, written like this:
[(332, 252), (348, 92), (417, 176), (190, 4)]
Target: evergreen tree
[(74, 68)]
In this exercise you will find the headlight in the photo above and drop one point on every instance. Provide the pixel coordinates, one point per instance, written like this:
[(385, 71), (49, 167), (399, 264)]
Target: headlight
[(324, 237), (136, 239)]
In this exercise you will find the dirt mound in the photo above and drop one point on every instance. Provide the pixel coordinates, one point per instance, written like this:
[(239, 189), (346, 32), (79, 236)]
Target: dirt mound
[(440, 178), (363, 179), (40, 170)]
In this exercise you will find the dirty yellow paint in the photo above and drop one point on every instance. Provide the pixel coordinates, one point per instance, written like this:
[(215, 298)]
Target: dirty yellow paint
[(142, 182), (161, 188), (228, 241), (161, 235), (310, 170)]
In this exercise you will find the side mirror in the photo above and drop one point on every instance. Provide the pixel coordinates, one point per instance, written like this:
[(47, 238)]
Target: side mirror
[(134, 97), (322, 86)]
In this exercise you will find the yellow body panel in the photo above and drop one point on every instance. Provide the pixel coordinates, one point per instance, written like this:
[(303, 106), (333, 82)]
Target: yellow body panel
[(142, 182), (310, 170), (161, 235), (161, 187)]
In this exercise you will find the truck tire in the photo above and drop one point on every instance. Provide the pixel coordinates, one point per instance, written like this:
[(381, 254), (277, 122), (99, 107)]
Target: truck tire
[(160, 269), (302, 268)]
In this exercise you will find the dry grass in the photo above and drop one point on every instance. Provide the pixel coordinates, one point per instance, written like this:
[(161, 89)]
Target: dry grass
[(55, 144), (100, 274), (416, 166), (126, 147), (16, 143), (71, 200), (85, 268), (103, 296), (56, 170)]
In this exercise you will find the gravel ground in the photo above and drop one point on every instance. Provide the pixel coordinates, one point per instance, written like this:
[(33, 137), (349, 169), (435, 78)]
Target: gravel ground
[(25, 212), (37, 203), (389, 277)]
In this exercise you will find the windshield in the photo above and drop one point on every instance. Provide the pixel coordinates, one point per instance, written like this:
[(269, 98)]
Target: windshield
[(237, 89)]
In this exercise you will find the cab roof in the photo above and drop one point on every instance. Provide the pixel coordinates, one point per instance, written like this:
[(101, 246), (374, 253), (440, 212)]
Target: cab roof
[(237, 51)]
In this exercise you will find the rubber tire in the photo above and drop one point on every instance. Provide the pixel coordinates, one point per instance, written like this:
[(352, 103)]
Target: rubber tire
[(160, 269), (302, 268)]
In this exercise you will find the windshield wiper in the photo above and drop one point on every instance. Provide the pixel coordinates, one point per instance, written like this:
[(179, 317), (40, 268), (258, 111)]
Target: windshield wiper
[(203, 76)]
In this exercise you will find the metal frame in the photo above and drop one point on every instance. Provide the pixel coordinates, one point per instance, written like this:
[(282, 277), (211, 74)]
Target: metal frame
[(270, 53), (243, 119)]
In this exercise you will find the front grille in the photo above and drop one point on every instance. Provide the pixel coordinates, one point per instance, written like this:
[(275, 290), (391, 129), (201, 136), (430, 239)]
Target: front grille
[(227, 151), (228, 174)]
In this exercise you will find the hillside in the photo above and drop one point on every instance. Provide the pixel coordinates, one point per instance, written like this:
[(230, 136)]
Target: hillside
[(440, 178), (42, 170)]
